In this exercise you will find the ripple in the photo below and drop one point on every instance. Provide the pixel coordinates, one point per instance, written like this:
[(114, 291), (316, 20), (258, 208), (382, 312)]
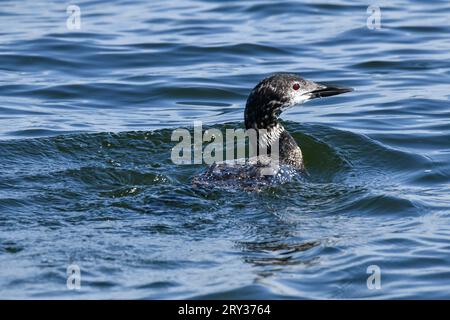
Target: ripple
[(86, 176)]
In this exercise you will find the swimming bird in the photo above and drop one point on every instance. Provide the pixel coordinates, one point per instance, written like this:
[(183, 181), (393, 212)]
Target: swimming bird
[(266, 102)]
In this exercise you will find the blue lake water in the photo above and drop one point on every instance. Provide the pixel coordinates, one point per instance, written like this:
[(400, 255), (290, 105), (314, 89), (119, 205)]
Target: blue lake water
[(86, 178)]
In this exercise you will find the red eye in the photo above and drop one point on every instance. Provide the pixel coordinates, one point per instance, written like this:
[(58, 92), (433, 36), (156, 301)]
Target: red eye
[(296, 86)]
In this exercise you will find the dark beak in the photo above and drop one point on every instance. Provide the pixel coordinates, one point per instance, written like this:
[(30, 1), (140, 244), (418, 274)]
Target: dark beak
[(327, 91)]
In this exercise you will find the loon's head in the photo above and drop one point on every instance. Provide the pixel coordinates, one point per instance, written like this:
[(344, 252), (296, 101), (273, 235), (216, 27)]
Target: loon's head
[(278, 92)]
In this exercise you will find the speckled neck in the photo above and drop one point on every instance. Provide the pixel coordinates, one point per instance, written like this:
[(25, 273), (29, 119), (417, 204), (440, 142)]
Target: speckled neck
[(262, 112)]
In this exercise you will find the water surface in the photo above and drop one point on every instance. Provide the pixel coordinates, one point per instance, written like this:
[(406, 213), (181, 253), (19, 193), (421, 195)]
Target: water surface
[(86, 177)]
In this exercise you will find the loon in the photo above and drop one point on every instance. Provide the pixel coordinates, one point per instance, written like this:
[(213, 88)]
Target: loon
[(265, 104)]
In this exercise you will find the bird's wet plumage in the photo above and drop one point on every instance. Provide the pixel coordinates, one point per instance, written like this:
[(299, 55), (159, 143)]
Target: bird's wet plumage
[(252, 175), (264, 105)]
